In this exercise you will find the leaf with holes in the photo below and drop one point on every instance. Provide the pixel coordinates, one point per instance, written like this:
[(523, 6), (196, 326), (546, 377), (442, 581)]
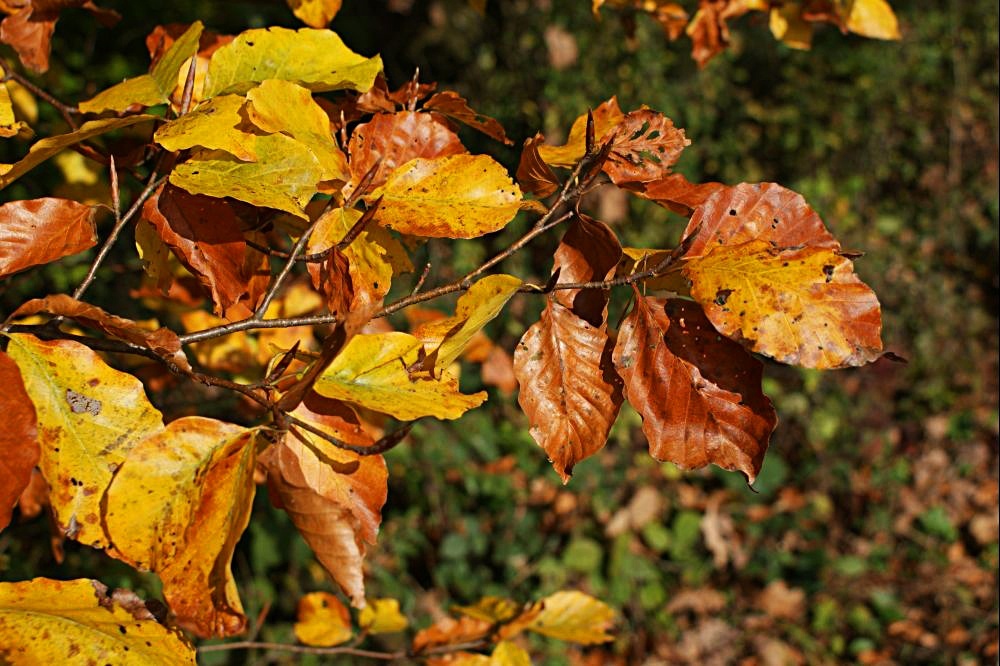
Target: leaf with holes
[(643, 147), (606, 118)]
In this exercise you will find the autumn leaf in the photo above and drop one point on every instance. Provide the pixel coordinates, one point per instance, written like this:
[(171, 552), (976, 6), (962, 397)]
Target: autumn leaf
[(606, 118), (159, 41), (371, 372), (390, 140), (89, 418), (38, 231), (315, 59), (459, 196), (45, 621), (643, 147), (382, 616), (508, 654), (28, 30), (19, 450), (675, 192), (149, 89), (217, 124), (571, 616), (533, 174), (45, 148), (801, 305), (873, 18), (789, 27), (9, 124), (454, 106), (495, 610), (315, 13), (699, 395), (588, 252), (449, 631), (322, 620), (177, 506)]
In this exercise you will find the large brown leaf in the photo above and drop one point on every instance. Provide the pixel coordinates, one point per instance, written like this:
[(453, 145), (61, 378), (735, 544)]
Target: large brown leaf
[(205, 234), (38, 231), (699, 394), (588, 252), (19, 450), (676, 192), (454, 106), (644, 147)]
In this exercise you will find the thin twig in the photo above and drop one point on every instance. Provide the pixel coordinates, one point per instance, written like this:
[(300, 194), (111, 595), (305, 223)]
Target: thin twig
[(253, 324), (381, 446), (303, 649), (423, 278), (65, 110)]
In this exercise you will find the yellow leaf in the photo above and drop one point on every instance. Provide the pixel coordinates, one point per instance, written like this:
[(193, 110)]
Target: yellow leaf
[(322, 620), (316, 59), (25, 104), (44, 621), (458, 196), (315, 13), (9, 126), (474, 310), (572, 616), (508, 654), (89, 417), (382, 616), (153, 88), (46, 148), (802, 306), (284, 176), (282, 106), (606, 118), (492, 609), (214, 125), (873, 18), (371, 372), (788, 26), (177, 506), (155, 255)]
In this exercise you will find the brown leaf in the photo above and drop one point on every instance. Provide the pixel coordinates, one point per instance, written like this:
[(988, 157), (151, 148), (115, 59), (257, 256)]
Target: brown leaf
[(498, 370), (533, 174), (449, 631), (708, 30), (38, 231), (205, 234), (19, 450), (644, 147), (162, 341), (454, 106), (34, 497), (395, 139), (676, 192), (782, 602), (29, 31), (699, 394), (588, 252)]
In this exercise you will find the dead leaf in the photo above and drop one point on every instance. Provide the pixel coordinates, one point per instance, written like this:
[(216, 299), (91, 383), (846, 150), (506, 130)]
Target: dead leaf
[(38, 231), (19, 450)]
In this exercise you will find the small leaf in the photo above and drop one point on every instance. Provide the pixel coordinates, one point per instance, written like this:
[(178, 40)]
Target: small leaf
[(533, 174), (316, 59), (460, 196), (322, 620), (38, 231), (89, 418), (644, 147), (454, 106), (44, 621), (449, 631), (873, 18), (491, 609), (789, 27), (507, 654), (9, 125), (675, 192), (217, 124), (382, 616), (19, 450), (606, 118), (315, 13), (572, 616)]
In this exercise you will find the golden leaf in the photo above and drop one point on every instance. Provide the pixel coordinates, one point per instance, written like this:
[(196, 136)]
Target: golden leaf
[(382, 616), (322, 620), (607, 116), (214, 125)]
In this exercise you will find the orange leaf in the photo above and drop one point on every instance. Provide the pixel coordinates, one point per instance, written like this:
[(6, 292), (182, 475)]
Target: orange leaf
[(449, 631), (533, 174), (29, 31), (322, 620), (38, 231), (675, 192), (644, 147), (19, 450), (454, 106), (699, 395)]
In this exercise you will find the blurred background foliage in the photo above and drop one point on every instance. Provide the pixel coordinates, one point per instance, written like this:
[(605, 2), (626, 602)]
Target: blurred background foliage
[(871, 535)]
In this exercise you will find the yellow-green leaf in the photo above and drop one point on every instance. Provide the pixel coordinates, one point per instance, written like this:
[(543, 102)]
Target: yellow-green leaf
[(316, 59), (153, 88), (284, 176), (46, 148), (803, 306), (476, 307), (873, 18), (382, 616), (89, 418), (573, 616), (458, 196), (371, 372), (282, 106), (323, 621), (214, 125), (507, 654), (44, 621)]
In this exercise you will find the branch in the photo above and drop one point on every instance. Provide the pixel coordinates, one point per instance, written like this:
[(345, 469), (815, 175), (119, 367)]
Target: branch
[(65, 110), (303, 649)]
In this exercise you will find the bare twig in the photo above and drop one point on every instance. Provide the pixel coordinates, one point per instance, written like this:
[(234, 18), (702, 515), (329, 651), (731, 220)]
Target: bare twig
[(254, 324), (381, 446), (303, 649), (65, 110)]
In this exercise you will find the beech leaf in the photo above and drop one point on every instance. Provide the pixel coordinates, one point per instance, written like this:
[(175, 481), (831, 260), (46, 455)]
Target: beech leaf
[(570, 616), (675, 192), (508, 654), (454, 106), (315, 13), (533, 174), (606, 118), (699, 395), (322, 620), (45, 621), (644, 147), (38, 231), (382, 616), (459, 196), (89, 418), (216, 124), (177, 506), (9, 125), (19, 450), (873, 18)]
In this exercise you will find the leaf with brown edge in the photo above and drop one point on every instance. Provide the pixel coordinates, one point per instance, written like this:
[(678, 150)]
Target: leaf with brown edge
[(333, 496), (205, 235), (699, 394), (162, 341), (45, 621), (315, 13), (606, 118), (873, 18), (449, 631), (568, 388), (177, 506), (644, 147), (89, 417), (533, 174), (453, 105), (800, 305), (322, 620), (19, 450), (459, 196), (756, 211), (38, 231), (390, 140)]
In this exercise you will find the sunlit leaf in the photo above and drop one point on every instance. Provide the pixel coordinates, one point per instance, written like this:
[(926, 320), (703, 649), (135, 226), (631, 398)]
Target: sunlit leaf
[(606, 117), (533, 174), (643, 147), (322, 620), (508, 654), (216, 124), (572, 616), (491, 609), (454, 106), (382, 616), (873, 18), (315, 13), (89, 418), (449, 631), (460, 196), (9, 125), (44, 621), (28, 30), (38, 231), (18, 446), (316, 59), (788, 26)]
